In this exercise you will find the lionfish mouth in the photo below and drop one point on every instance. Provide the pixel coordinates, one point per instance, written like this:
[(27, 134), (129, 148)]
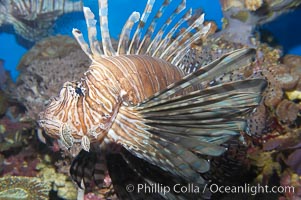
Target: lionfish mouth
[(51, 127)]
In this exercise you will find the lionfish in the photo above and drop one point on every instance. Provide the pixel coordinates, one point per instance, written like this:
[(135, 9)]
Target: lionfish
[(34, 19), (139, 97)]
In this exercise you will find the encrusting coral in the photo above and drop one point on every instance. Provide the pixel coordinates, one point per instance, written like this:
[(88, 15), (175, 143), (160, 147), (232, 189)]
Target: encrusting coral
[(23, 188), (58, 182), (241, 17)]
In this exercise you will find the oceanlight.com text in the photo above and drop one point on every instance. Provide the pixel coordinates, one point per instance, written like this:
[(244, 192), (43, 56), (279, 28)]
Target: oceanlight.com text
[(213, 188), (250, 189)]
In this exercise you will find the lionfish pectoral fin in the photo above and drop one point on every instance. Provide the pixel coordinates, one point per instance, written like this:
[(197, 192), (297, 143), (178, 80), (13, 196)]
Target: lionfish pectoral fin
[(88, 169), (209, 116), (133, 134), (199, 119), (179, 133), (176, 132), (228, 63)]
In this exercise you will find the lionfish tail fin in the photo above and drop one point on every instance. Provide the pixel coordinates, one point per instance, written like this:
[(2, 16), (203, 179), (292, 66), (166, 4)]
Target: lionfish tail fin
[(145, 39)]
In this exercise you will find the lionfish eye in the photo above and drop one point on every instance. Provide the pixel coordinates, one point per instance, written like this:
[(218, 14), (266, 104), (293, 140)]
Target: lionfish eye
[(79, 91)]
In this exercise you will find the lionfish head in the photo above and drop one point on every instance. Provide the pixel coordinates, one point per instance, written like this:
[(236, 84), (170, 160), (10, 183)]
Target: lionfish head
[(68, 119)]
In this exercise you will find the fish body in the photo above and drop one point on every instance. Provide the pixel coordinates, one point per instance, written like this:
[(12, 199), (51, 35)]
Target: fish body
[(141, 97), (108, 84), (33, 19)]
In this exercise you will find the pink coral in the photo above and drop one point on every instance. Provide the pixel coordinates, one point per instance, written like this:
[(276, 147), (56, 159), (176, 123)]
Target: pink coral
[(289, 179), (22, 164)]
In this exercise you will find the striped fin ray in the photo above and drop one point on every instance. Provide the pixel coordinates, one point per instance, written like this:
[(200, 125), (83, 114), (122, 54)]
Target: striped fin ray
[(94, 51), (230, 62), (200, 124), (88, 169), (222, 97), (174, 45), (150, 30), (137, 35), (105, 35), (125, 34), (152, 175), (92, 32), (202, 120), (179, 54), (125, 169), (131, 133), (158, 37), (165, 48), (163, 44), (82, 43)]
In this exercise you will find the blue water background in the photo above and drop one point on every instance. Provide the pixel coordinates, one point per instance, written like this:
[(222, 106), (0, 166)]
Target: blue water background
[(285, 28)]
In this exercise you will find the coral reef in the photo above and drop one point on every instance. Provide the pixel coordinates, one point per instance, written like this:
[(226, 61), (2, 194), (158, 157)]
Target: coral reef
[(290, 179), (22, 164), (277, 151), (60, 183), (266, 165), (3, 102), (19, 187), (282, 79), (45, 68), (273, 140), (15, 129), (242, 16)]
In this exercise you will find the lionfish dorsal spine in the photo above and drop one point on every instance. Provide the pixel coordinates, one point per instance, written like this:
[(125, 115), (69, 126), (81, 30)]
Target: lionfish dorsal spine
[(126, 31), (144, 17), (185, 46), (105, 34), (163, 44), (82, 43), (173, 48), (160, 33), (150, 30), (92, 32), (170, 48)]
